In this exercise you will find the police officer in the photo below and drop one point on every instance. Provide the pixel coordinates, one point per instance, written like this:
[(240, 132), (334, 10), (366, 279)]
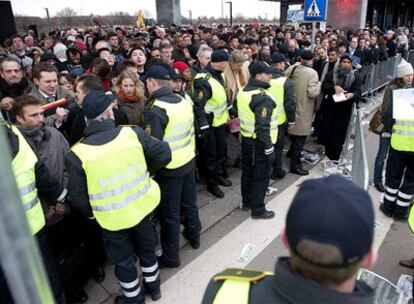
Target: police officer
[(399, 176), (329, 235), (258, 127), (209, 90), (282, 90), (110, 181), (170, 118), (33, 180)]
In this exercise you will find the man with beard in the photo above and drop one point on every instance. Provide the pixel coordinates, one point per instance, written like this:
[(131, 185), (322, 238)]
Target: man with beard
[(336, 115), (12, 85)]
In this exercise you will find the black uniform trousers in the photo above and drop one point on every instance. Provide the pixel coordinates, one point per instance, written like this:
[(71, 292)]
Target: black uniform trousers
[(178, 197), (295, 151), (399, 181), (256, 167), (51, 268), (121, 246), (214, 153), (278, 146)]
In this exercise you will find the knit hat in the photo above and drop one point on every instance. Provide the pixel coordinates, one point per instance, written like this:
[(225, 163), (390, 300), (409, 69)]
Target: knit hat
[(180, 65), (404, 69)]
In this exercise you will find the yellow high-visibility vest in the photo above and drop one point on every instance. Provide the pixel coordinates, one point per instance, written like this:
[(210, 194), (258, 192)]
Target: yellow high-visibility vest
[(236, 289), (217, 104), (247, 117), (402, 137), (179, 132), (121, 192), (277, 91), (24, 171)]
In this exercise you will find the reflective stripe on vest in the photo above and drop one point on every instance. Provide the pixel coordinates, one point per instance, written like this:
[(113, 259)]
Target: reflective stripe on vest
[(24, 171), (121, 193), (234, 291), (248, 118), (402, 137), (217, 104), (411, 219), (277, 90), (179, 132)]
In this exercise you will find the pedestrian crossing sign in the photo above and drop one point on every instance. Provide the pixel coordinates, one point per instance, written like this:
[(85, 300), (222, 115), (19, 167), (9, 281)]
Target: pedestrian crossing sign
[(315, 10)]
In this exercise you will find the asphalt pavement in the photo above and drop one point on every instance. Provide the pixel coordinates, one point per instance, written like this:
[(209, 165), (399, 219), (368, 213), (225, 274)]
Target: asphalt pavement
[(227, 230)]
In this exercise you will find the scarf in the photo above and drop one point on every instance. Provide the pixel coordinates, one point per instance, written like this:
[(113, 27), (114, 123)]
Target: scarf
[(343, 77), (128, 99), (13, 90)]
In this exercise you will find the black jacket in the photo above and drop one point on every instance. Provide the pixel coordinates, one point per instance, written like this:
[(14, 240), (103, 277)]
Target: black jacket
[(289, 98), (336, 115), (262, 106), (155, 120), (203, 91), (287, 286), (157, 155)]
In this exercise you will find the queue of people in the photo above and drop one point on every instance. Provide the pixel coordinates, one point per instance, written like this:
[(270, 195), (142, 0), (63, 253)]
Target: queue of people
[(129, 120)]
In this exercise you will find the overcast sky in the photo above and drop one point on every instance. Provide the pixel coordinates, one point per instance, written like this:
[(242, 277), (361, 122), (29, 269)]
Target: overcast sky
[(247, 8)]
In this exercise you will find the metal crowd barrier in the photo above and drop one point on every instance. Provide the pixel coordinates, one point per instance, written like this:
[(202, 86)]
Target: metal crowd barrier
[(355, 141), (410, 57), (376, 76), (360, 171), (373, 78)]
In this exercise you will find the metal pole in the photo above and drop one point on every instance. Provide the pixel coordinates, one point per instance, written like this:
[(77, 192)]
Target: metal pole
[(313, 35), (49, 27), (19, 254), (231, 12), (190, 12)]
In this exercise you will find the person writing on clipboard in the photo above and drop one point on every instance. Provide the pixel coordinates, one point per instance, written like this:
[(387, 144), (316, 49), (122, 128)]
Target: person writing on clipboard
[(341, 89)]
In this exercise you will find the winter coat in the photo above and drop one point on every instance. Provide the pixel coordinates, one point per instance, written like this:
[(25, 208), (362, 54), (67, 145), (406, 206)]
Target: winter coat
[(307, 89), (336, 115)]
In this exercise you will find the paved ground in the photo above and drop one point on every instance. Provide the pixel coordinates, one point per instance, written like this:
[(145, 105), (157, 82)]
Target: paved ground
[(226, 230)]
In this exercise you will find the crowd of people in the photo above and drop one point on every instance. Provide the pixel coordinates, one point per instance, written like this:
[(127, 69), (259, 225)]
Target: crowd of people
[(118, 125)]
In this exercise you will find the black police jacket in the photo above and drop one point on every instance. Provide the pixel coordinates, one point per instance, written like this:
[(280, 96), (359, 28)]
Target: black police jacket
[(154, 122), (262, 106), (289, 98), (157, 155), (287, 286)]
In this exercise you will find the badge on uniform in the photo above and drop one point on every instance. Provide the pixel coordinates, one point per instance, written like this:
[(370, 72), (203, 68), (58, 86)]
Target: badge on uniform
[(264, 112), (200, 95), (148, 129)]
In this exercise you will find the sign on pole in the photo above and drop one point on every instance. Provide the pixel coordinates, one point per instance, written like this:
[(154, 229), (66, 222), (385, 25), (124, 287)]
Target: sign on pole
[(315, 10)]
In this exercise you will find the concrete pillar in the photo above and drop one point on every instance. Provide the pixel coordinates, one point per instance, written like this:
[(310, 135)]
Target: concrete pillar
[(168, 11), (347, 14)]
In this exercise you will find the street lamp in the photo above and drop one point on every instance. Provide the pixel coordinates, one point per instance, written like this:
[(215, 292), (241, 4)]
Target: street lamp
[(231, 12), (49, 28)]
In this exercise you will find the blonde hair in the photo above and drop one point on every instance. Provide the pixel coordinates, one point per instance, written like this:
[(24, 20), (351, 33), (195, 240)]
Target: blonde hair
[(139, 86)]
